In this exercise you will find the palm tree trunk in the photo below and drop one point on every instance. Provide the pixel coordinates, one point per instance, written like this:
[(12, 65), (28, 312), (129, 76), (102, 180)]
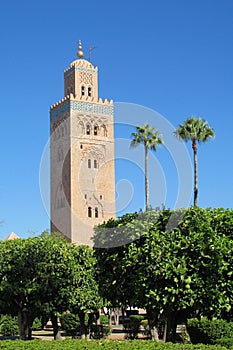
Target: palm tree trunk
[(146, 179), (194, 146)]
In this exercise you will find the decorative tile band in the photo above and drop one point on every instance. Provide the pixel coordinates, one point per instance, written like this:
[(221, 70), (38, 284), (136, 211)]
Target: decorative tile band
[(87, 70), (81, 107), (59, 110), (68, 72), (91, 108)]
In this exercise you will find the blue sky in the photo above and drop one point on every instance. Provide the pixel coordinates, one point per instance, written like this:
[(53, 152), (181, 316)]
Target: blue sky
[(174, 57)]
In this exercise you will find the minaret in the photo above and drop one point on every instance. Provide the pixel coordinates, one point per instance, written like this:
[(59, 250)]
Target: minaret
[(81, 155)]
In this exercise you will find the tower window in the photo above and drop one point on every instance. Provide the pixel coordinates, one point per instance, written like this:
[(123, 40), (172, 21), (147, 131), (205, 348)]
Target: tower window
[(89, 212), (85, 196), (89, 91), (82, 90), (96, 212), (89, 163), (101, 197), (95, 130), (95, 163), (88, 129)]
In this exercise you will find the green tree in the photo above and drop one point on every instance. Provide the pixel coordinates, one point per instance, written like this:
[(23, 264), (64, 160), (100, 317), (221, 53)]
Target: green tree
[(150, 138), (171, 273), (195, 129), (46, 276)]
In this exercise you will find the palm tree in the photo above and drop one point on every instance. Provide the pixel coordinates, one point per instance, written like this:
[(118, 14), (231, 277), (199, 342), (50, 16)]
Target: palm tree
[(150, 138), (196, 130)]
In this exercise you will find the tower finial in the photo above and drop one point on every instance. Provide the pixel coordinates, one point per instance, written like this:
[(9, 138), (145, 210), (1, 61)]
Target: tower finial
[(80, 53)]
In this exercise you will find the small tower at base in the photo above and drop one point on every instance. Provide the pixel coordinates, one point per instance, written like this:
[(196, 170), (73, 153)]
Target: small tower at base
[(82, 174)]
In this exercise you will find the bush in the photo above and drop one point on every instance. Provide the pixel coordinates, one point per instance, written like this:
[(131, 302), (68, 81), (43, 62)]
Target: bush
[(70, 323), (104, 319), (145, 325), (9, 325), (37, 324), (99, 331), (227, 342), (208, 331), (132, 327)]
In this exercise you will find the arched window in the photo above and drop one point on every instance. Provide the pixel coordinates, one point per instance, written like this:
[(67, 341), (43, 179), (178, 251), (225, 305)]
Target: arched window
[(88, 129), (96, 212), (89, 91), (89, 212), (82, 90), (95, 130), (95, 164), (89, 163)]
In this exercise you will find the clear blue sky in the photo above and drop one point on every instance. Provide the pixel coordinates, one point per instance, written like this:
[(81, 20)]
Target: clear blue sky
[(174, 57)]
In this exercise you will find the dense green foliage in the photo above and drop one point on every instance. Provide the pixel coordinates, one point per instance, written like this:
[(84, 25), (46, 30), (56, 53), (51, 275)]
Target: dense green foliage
[(226, 342), (9, 325), (103, 344), (176, 263), (46, 276), (132, 327), (208, 331)]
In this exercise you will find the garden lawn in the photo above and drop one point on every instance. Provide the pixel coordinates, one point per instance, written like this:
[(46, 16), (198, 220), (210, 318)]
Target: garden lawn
[(69, 344)]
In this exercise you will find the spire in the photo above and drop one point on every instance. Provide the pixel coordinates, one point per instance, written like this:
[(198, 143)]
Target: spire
[(80, 53)]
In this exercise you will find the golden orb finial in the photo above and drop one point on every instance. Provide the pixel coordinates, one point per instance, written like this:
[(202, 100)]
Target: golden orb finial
[(80, 53)]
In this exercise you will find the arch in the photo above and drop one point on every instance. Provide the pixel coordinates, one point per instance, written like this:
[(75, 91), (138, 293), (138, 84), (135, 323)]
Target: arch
[(88, 129), (89, 163), (104, 130), (81, 127), (96, 212), (89, 212), (95, 129), (82, 90), (89, 91), (95, 164)]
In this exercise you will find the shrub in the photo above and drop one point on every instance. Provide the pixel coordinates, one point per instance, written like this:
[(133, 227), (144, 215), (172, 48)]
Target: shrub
[(227, 342), (99, 331), (70, 323), (9, 325), (145, 325), (208, 331), (37, 324), (132, 327), (104, 319)]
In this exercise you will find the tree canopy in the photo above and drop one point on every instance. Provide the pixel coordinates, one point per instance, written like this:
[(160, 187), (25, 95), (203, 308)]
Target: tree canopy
[(46, 275), (172, 273)]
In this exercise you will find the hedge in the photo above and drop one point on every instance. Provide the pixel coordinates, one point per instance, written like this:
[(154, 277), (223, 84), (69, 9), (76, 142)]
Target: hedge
[(96, 345), (208, 331)]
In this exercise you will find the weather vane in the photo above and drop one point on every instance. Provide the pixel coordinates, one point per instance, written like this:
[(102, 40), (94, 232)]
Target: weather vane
[(89, 53)]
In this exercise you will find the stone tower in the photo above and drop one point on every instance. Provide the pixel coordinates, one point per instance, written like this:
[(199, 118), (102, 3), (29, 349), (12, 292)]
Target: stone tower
[(82, 190)]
